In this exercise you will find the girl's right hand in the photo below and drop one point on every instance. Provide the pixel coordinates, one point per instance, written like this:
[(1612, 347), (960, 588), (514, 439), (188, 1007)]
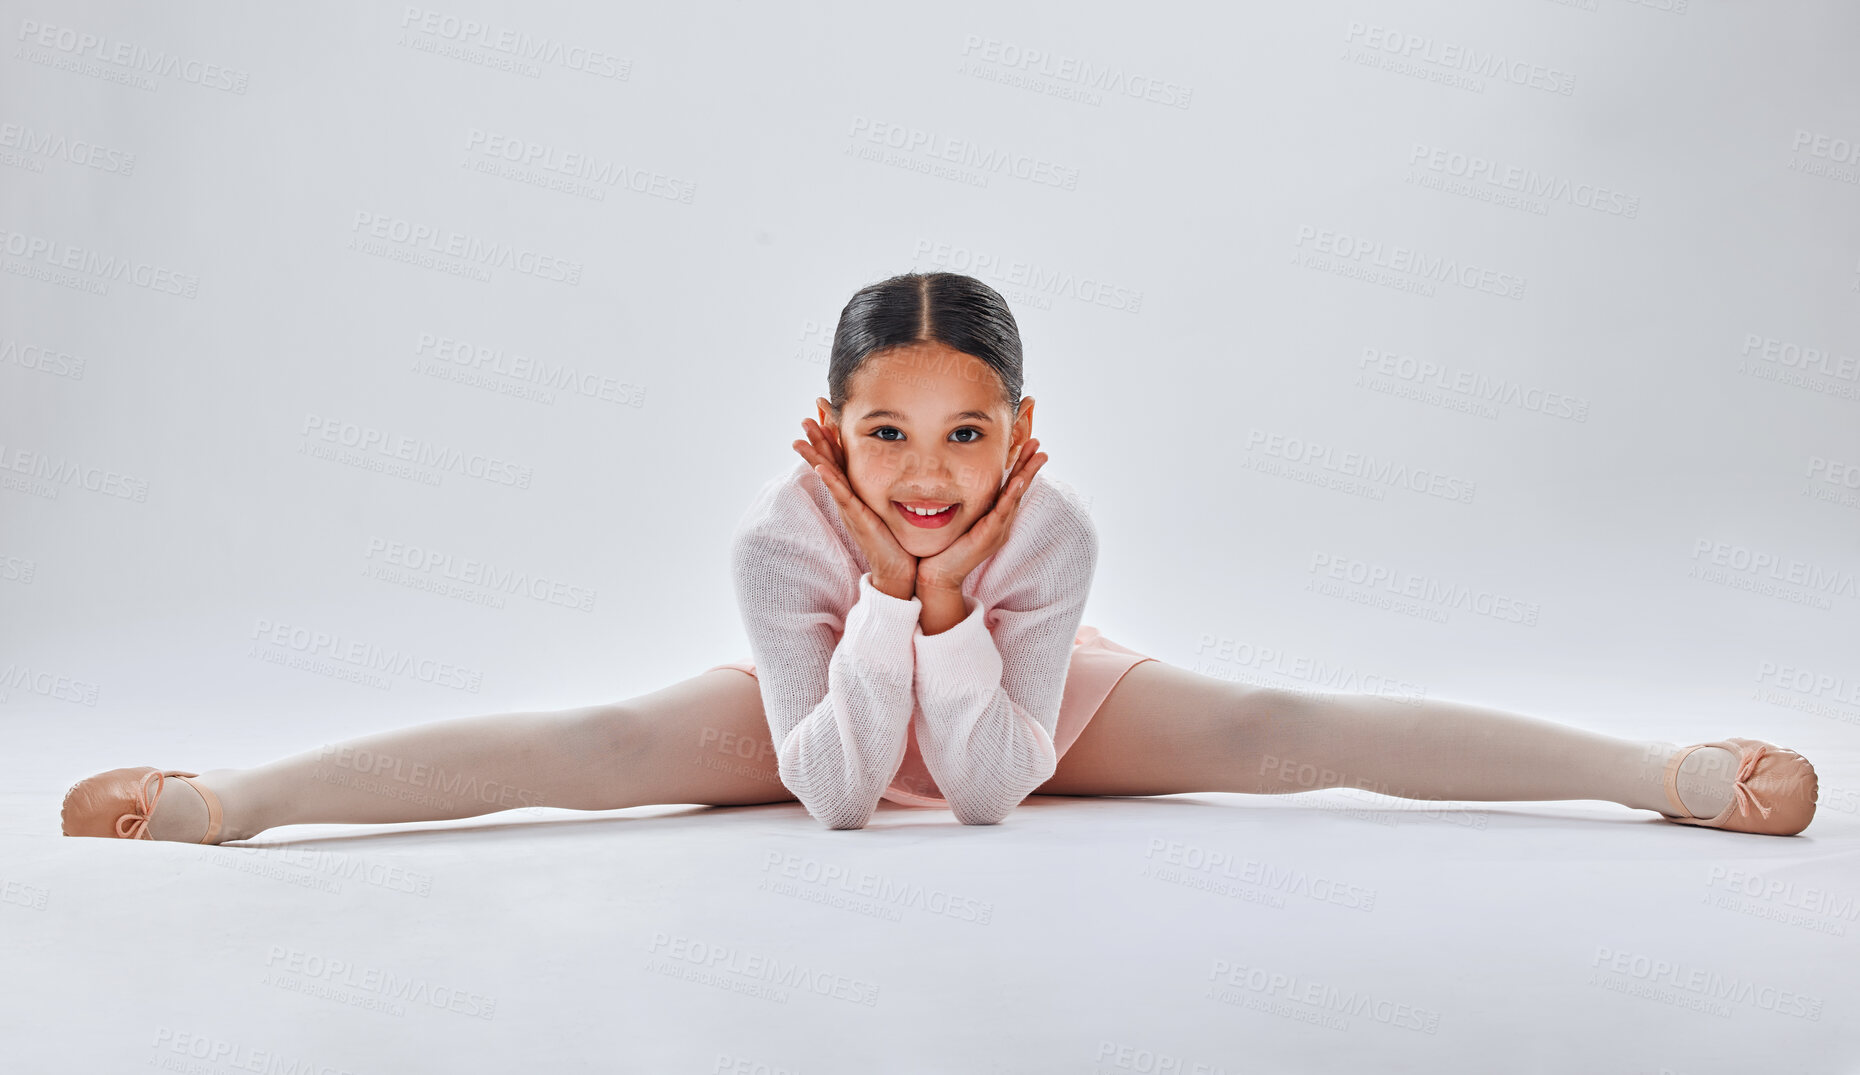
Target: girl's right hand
[(894, 571)]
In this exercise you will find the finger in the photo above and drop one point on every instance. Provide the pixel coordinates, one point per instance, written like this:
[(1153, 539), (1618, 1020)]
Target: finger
[(818, 438), (868, 529), (1021, 461), (1027, 452), (815, 457), (1023, 473), (827, 442), (1023, 482), (824, 453), (857, 514), (1008, 498), (1034, 464), (820, 464), (1033, 468), (841, 494), (839, 448), (871, 532)]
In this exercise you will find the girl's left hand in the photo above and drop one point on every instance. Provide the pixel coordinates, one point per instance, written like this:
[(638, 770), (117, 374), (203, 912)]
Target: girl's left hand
[(947, 570)]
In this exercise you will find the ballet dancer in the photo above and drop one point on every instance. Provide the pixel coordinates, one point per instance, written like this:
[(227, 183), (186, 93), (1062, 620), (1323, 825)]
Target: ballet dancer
[(912, 591)]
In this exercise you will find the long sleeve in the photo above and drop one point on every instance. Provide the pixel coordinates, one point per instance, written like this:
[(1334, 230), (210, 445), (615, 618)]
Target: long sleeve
[(837, 693), (988, 689)]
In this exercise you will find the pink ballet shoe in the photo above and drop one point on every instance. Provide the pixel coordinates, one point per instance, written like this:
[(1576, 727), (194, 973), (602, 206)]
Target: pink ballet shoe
[(118, 804), (1774, 793)]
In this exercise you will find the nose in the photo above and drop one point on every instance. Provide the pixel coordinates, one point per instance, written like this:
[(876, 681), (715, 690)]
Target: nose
[(932, 475), (927, 464)]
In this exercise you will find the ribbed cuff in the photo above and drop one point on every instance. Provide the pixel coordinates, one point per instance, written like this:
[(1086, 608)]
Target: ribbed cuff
[(869, 592), (959, 662), (878, 633)]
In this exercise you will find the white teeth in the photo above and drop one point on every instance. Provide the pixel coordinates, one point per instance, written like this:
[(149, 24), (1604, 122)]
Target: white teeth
[(920, 511)]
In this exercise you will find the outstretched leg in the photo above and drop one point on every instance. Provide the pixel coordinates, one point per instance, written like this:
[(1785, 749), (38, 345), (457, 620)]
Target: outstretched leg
[(703, 740), (1165, 730)]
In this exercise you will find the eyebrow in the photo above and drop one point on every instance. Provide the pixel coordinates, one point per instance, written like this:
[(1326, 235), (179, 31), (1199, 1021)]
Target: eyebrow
[(980, 416)]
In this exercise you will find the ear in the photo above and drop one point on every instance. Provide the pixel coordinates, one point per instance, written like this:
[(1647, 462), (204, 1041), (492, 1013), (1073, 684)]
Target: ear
[(823, 407), (1023, 425), (1017, 436)]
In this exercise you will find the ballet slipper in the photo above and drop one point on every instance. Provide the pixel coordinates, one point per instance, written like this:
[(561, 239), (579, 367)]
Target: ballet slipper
[(1774, 793), (118, 803)]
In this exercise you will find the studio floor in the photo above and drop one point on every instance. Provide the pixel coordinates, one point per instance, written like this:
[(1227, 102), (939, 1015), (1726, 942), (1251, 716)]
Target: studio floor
[(1322, 932)]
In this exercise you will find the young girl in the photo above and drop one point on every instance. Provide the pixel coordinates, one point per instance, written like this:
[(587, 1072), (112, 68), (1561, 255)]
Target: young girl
[(912, 591)]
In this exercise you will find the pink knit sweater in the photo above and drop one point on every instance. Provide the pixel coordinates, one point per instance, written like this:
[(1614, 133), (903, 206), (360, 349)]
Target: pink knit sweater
[(846, 673)]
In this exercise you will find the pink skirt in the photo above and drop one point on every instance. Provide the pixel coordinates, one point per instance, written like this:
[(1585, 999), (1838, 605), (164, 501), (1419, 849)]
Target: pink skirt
[(1096, 665)]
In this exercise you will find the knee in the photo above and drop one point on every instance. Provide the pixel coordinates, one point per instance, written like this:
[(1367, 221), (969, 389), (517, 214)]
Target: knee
[(616, 730), (1249, 714), (1264, 728)]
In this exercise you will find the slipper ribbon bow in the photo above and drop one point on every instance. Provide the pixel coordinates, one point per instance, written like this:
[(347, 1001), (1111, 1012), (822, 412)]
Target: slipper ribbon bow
[(1746, 799), (136, 826)]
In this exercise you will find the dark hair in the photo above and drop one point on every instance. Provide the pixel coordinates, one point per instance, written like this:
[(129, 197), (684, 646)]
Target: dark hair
[(957, 311)]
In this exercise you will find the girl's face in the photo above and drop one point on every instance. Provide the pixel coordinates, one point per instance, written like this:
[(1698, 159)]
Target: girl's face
[(924, 426)]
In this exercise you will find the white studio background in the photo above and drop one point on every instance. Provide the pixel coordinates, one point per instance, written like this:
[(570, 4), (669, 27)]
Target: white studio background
[(369, 364)]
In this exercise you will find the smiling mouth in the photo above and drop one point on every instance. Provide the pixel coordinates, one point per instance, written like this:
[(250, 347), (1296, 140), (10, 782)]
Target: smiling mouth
[(932, 521)]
